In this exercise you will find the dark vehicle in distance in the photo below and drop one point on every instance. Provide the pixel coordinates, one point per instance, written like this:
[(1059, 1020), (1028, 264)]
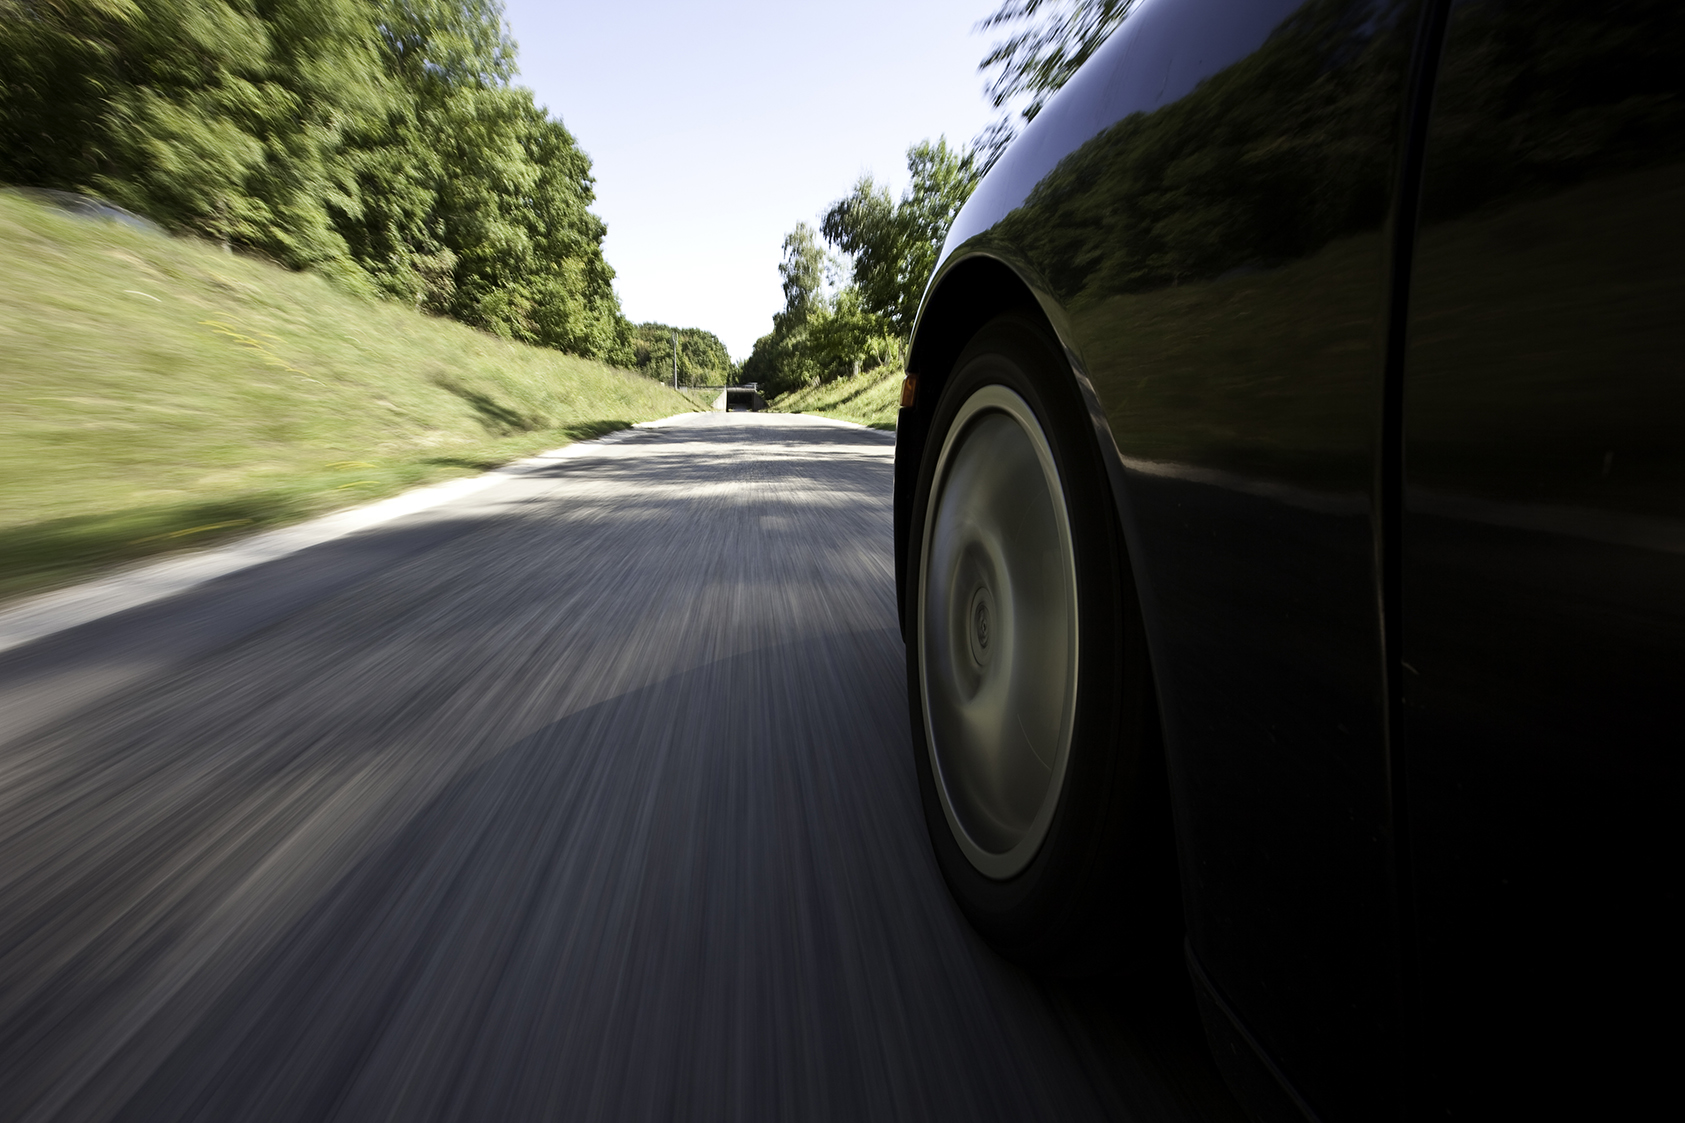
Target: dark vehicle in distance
[(1290, 541)]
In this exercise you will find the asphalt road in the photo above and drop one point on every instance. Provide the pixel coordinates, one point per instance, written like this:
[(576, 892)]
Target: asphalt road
[(588, 796)]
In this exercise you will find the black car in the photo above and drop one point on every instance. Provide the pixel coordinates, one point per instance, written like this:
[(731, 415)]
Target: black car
[(1290, 530)]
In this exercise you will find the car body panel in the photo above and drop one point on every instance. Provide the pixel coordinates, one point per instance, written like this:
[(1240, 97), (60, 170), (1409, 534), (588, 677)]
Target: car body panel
[(1236, 353), (1321, 493), (1543, 565)]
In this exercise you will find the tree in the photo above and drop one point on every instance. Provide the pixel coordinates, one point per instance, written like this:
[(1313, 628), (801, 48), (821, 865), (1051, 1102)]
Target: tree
[(475, 202), (803, 273), (225, 120), (780, 360), (436, 54), (1056, 37), (819, 335), (703, 358), (894, 246), (777, 364), (381, 142), (843, 337)]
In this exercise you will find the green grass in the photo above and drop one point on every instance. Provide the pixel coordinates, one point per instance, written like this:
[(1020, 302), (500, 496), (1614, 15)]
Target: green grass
[(701, 397), (870, 398), (157, 393)]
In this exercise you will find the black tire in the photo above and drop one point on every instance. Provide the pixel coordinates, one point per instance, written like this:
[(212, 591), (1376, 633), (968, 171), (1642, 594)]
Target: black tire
[(1096, 889)]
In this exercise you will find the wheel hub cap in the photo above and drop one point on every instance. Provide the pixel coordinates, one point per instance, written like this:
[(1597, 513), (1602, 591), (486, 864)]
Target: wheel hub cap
[(998, 631), (981, 611)]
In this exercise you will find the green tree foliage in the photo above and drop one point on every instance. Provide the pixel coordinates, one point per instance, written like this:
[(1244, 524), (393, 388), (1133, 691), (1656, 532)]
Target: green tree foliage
[(703, 358), (378, 141), (217, 118), (781, 359), (779, 363), (891, 247), (894, 245), (1052, 39), (475, 201), (56, 61), (844, 337), (803, 274)]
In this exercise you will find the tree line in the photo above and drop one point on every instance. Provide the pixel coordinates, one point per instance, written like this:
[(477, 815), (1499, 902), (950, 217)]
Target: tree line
[(384, 144), (702, 358), (380, 142), (852, 287)]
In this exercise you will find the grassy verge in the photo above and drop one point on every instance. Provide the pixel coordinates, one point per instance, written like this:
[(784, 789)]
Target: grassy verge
[(156, 393), (870, 398), (702, 397)]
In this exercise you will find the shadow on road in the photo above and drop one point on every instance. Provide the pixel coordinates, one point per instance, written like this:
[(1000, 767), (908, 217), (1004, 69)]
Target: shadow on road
[(593, 800)]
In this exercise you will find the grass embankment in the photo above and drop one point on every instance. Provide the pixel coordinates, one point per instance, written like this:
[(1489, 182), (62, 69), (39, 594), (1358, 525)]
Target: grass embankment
[(870, 398), (701, 397), (156, 393)]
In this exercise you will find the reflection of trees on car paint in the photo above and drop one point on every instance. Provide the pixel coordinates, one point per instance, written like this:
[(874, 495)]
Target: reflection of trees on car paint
[(1533, 98), (1287, 150), (1554, 214), (1222, 265), (1217, 246), (1221, 256), (1263, 163)]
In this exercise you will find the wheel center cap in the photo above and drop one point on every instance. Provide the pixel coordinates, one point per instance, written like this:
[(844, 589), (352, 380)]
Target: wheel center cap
[(980, 625)]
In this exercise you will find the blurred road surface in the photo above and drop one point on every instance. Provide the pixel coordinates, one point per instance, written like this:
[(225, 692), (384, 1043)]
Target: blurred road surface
[(585, 797)]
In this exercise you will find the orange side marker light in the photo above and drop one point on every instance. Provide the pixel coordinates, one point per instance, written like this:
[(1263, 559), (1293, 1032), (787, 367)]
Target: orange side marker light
[(909, 391)]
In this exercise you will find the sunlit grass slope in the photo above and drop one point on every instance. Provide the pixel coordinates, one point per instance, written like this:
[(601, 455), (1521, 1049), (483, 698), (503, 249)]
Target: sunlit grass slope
[(156, 393), (870, 398)]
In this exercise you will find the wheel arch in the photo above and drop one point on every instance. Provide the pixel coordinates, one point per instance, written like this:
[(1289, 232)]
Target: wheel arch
[(965, 295), (967, 292)]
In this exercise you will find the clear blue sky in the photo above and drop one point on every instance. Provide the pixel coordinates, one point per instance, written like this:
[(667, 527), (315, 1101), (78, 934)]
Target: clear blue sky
[(715, 127)]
